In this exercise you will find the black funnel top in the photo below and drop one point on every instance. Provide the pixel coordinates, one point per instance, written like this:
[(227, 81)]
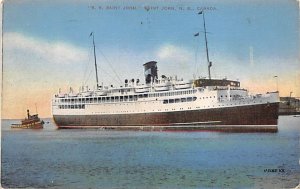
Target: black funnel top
[(150, 69)]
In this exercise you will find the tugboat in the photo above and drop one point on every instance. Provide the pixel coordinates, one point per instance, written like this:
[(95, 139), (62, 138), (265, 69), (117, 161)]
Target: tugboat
[(31, 122)]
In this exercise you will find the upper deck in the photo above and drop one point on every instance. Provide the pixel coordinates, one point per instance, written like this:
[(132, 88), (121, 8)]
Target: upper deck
[(216, 83)]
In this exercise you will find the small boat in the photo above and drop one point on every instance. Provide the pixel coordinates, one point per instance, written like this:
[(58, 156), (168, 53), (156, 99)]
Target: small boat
[(142, 89), (162, 87), (100, 92), (183, 85), (31, 122)]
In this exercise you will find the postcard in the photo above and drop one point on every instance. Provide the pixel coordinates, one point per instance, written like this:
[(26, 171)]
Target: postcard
[(150, 94)]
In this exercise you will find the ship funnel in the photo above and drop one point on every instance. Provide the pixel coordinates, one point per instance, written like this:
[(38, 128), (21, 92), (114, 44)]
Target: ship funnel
[(28, 115), (150, 70)]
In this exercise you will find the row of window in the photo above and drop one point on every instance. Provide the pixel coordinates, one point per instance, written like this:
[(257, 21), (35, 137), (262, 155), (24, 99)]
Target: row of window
[(123, 98), (231, 96), (166, 101), (79, 106), (101, 99), (177, 100), (173, 93), (189, 99)]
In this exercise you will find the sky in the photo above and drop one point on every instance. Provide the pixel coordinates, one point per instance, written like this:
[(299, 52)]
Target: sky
[(47, 45)]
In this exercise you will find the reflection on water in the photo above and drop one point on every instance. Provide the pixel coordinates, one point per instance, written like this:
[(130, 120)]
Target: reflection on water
[(134, 159)]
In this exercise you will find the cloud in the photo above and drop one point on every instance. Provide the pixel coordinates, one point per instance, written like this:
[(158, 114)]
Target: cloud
[(257, 77), (173, 58), (35, 61), (44, 51), (174, 54), (33, 69)]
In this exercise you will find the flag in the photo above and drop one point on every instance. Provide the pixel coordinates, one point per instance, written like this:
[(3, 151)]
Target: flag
[(200, 12), (91, 34), (197, 34)]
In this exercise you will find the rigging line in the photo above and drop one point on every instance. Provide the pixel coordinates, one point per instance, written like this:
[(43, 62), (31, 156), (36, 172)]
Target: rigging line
[(103, 70), (91, 70), (86, 67), (141, 72), (110, 65), (86, 78), (89, 76), (120, 81), (138, 76), (196, 59)]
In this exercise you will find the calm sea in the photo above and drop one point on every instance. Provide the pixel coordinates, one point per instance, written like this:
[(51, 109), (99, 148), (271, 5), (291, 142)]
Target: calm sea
[(52, 158)]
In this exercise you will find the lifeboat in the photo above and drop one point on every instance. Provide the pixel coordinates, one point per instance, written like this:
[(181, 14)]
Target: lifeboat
[(100, 92), (182, 85), (142, 89), (86, 93), (72, 94), (161, 87), (60, 95)]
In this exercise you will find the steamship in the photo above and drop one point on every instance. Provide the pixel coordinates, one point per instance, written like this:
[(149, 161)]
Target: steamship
[(167, 103)]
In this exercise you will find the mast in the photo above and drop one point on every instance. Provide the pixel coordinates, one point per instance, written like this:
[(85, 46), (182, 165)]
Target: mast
[(209, 63), (95, 60)]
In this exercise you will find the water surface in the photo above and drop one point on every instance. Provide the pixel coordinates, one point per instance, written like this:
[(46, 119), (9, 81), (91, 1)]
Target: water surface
[(52, 158)]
